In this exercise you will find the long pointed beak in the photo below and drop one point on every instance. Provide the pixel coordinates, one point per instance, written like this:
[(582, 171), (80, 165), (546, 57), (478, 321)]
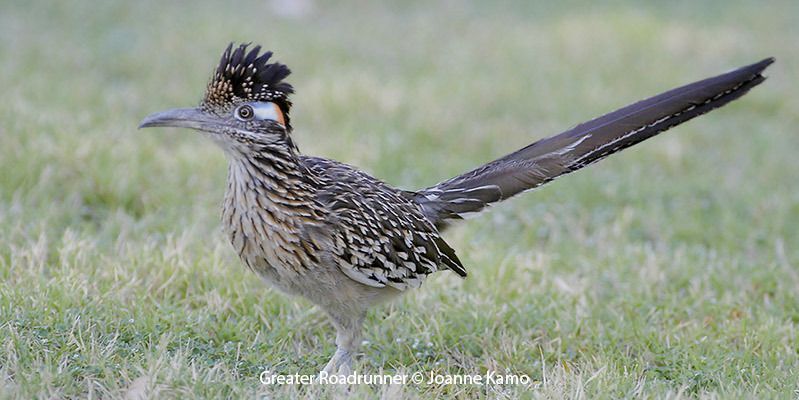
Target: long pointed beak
[(191, 118)]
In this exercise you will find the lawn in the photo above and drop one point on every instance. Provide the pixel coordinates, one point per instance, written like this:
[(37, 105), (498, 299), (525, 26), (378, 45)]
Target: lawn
[(670, 270)]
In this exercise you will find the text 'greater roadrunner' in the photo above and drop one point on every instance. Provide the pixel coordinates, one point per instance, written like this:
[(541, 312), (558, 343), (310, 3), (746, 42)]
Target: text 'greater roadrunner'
[(347, 241)]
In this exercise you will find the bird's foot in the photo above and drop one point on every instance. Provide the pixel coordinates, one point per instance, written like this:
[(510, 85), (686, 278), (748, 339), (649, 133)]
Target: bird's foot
[(340, 363)]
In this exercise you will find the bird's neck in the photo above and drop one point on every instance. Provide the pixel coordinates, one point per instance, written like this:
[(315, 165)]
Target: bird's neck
[(271, 178), (270, 190)]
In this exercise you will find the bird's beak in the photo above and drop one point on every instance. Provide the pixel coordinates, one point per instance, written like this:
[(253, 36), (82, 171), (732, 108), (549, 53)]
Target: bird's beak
[(179, 118)]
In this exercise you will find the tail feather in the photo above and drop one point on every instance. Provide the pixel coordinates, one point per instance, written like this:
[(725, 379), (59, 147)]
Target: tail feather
[(587, 143)]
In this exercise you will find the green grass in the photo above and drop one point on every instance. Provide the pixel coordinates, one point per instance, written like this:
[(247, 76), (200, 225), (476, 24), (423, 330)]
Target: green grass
[(667, 271)]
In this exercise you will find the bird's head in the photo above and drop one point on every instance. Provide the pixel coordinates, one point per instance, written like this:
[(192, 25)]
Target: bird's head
[(246, 104)]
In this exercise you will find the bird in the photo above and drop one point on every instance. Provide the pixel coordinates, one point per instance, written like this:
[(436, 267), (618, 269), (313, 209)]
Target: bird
[(347, 241)]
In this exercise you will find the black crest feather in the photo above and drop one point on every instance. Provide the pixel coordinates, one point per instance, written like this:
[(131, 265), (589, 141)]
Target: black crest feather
[(245, 75)]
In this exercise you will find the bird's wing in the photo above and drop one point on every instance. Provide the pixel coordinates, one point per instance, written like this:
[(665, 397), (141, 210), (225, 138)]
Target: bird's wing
[(382, 238)]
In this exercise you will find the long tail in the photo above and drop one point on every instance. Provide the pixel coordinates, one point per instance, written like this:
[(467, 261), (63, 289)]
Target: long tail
[(587, 143)]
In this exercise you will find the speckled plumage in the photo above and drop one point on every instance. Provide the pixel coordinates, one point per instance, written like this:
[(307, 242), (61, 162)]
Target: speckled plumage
[(315, 208), (346, 240), (383, 237)]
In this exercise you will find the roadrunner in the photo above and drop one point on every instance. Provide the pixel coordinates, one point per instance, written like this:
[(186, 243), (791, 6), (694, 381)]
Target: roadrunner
[(348, 241)]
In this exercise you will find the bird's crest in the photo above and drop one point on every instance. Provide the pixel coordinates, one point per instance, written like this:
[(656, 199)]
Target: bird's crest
[(244, 75)]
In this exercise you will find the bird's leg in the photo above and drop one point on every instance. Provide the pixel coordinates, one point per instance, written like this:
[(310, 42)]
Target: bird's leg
[(348, 335)]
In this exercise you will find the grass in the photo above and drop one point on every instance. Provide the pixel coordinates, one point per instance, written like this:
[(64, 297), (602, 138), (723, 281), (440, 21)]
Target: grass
[(669, 271)]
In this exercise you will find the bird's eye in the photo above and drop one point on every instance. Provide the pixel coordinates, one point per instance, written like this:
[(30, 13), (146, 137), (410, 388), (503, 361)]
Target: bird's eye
[(245, 112), (259, 111)]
